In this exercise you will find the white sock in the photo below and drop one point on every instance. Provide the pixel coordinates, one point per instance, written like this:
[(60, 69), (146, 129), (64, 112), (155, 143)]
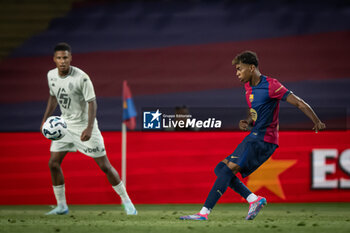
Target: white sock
[(121, 190), (60, 194), (252, 197), (204, 210)]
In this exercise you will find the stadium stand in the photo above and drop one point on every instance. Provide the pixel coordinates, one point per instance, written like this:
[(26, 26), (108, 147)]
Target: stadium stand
[(19, 20), (177, 53)]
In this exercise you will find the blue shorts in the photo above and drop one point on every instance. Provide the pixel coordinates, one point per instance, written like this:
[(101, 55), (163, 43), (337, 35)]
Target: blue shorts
[(250, 154)]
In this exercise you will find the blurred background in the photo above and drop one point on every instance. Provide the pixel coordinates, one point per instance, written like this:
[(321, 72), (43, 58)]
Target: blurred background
[(175, 53), (172, 53)]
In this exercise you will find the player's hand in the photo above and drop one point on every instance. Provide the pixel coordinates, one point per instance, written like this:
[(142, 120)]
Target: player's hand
[(319, 126), (86, 134), (243, 125), (41, 126)]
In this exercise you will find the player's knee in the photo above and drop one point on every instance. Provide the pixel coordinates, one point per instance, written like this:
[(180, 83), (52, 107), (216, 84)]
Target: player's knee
[(218, 168), (54, 165)]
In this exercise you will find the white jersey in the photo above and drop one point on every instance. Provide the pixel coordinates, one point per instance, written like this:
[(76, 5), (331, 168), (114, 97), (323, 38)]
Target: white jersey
[(73, 92)]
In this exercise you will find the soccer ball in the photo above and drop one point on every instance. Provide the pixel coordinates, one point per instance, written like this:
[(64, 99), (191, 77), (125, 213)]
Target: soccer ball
[(54, 128)]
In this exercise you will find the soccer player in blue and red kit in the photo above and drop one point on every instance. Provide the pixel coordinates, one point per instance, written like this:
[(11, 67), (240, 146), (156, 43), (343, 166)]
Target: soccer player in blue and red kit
[(263, 95)]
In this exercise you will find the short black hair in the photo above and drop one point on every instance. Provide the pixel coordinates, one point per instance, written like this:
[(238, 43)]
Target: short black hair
[(62, 47), (246, 57)]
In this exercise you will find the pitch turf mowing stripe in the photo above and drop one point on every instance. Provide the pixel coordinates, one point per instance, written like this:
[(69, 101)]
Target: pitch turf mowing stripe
[(315, 217)]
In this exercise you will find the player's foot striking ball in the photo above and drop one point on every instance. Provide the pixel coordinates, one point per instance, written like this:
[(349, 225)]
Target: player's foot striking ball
[(263, 95)]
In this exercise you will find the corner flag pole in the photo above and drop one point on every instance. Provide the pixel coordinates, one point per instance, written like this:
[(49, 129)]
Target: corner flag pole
[(129, 121), (124, 153)]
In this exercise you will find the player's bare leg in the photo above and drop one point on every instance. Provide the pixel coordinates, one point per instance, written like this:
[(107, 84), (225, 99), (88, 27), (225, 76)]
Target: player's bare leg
[(55, 167), (235, 168), (58, 183), (117, 184), (108, 169)]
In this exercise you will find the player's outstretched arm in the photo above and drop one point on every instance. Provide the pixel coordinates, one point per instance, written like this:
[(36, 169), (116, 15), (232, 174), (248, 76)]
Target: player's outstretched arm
[(51, 106), (86, 134), (307, 110)]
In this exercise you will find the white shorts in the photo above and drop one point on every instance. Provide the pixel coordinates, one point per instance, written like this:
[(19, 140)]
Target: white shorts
[(71, 142)]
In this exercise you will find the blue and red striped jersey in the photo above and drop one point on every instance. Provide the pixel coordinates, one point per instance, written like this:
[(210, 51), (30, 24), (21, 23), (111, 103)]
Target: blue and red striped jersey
[(263, 101)]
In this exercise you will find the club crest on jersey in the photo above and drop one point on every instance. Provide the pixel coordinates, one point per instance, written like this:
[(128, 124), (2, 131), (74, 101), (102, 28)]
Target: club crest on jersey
[(70, 86), (251, 97)]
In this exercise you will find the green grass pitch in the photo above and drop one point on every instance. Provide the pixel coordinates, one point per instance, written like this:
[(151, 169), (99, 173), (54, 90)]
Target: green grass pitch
[(311, 217)]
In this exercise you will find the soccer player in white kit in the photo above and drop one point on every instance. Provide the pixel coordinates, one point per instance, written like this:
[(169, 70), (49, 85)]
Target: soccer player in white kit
[(73, 91)]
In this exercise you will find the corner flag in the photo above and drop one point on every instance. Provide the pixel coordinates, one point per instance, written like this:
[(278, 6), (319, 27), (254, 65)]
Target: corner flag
[(129, 111), (129, 120)]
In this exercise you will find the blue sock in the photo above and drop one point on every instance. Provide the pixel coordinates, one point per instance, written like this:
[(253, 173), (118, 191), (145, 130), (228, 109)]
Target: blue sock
[(239, 187), (222, 182), (235, 183)]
